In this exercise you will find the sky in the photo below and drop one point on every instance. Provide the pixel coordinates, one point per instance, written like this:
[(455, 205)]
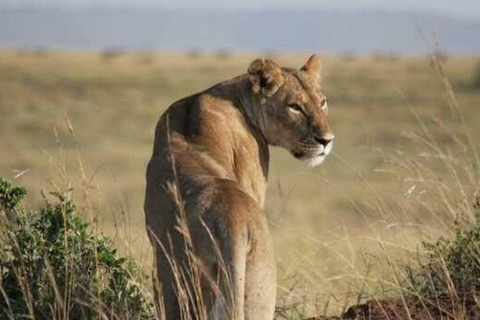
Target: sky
[(456, 8)]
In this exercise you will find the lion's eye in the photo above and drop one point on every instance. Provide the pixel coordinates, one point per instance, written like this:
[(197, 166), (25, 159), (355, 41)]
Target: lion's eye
[(295, 108), (324, 105)]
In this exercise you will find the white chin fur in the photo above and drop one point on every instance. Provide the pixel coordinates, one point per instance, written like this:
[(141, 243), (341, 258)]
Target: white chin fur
[(315, 161), (318, 160)]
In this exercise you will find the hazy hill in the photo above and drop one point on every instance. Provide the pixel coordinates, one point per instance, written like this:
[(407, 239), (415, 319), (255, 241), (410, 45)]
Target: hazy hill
[(331, 30)]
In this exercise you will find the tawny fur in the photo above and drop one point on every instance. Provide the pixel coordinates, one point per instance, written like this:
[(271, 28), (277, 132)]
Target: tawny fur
[(206, 184)]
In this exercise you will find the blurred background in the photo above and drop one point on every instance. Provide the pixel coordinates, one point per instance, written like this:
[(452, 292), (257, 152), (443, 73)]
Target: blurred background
[(83, 82), (242, 25)]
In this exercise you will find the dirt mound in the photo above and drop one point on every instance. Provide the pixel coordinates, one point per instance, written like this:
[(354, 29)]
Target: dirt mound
[(465, 307)]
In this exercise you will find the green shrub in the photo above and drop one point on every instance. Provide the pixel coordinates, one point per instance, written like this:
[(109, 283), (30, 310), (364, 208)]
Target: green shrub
[(452, 267), (10, 197), (52, 267)]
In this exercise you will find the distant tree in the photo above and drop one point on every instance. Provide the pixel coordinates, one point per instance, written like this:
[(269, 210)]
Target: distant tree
[(476, 77)]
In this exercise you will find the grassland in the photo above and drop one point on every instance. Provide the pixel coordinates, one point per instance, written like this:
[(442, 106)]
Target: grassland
[(404, 167)]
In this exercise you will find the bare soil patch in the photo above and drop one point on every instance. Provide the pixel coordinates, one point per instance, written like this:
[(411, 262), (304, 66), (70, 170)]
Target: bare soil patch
[(445, 307)]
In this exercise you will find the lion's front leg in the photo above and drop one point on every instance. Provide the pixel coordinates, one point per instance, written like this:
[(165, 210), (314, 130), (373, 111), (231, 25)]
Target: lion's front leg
[(246, 265), (261, 275)]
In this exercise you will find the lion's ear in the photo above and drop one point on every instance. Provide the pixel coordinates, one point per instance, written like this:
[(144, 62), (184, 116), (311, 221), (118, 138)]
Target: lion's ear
[(313, 66), (266, 77)]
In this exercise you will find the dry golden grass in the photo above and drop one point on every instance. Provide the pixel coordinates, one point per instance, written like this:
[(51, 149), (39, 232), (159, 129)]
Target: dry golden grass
[(401, 172)]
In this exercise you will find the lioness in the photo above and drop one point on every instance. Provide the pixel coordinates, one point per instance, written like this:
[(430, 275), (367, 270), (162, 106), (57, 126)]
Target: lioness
[(206, 184)]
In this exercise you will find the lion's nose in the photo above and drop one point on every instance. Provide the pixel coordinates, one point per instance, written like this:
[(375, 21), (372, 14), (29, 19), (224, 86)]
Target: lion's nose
[(324, 139)]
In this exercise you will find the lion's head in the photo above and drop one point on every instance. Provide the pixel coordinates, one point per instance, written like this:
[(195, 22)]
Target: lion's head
[(292, 109)]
